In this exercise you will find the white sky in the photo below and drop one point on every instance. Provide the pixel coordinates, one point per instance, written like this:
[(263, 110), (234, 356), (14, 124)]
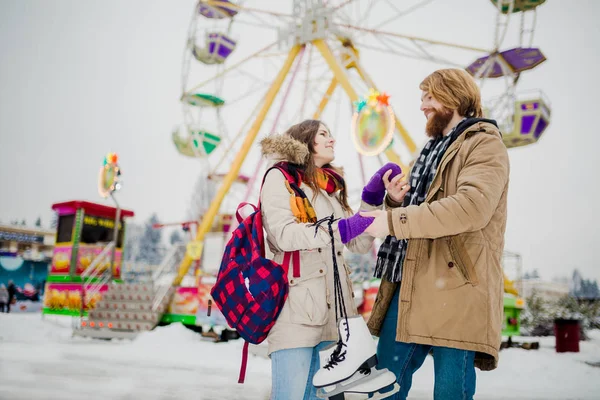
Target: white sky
[(81, 78)]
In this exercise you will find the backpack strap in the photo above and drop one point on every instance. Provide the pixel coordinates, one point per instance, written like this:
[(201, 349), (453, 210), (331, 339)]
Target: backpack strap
[(287, 255), (242, 376), (238, 216), (295, 262)]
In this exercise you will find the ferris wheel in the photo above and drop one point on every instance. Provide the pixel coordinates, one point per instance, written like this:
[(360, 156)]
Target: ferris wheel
[(296, 64)]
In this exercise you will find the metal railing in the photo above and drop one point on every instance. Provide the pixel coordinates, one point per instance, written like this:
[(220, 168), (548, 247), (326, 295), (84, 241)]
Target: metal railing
[(168, 265), (97, 277)]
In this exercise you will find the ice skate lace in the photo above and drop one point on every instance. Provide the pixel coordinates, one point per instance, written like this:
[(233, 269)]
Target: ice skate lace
[(338, 355)]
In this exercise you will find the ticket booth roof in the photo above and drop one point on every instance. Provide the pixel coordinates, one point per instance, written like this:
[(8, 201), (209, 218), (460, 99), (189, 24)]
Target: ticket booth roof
[(100, 210)]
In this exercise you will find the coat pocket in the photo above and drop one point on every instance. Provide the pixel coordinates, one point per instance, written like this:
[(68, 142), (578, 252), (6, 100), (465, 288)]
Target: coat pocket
[(461, 260), (308, 299)]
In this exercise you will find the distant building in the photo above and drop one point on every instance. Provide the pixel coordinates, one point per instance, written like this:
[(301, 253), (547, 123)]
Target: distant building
[(546, 289), (29, 243), (25, 254)]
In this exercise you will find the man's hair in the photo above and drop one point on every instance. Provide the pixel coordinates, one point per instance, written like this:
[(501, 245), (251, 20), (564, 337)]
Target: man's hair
[(454, 89)]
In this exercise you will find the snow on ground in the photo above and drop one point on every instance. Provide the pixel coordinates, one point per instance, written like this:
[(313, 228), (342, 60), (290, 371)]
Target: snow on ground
[(40, 360)]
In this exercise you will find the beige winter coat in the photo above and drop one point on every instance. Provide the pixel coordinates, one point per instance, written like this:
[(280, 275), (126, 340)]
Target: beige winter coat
[(308, 316), (452, 284)]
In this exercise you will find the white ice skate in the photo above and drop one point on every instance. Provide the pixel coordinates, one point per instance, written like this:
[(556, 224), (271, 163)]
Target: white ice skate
[(362, 382), (355, 349)]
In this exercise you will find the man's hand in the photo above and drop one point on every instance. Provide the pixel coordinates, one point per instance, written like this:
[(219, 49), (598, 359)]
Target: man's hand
[(397, 187), (379, 228)]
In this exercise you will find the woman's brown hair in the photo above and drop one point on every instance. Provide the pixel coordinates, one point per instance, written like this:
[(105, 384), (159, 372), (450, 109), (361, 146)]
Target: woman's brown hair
[(305, 132)]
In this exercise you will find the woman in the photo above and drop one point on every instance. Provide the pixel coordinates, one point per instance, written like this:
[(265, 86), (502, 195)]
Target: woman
[(307, 322)]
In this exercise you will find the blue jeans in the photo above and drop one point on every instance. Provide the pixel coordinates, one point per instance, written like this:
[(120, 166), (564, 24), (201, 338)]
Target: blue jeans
[(454, 369), (293, 371)]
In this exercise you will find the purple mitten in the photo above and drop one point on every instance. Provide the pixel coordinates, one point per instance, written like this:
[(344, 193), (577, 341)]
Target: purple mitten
[(374, 191), (352, 227)]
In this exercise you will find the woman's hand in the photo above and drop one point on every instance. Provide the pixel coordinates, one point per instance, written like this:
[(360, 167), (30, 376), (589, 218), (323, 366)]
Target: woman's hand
[(374, 191), (379, 228), (396, 188)]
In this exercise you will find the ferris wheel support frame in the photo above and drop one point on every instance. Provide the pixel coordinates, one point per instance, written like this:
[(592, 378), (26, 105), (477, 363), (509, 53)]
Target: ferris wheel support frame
[(340, 78)]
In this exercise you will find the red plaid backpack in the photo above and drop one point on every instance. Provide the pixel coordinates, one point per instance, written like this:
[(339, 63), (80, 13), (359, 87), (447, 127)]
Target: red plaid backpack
[(250, 289)]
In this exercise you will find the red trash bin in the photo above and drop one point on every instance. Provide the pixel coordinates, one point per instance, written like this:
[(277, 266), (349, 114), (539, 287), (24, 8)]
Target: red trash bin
[(566, 332)]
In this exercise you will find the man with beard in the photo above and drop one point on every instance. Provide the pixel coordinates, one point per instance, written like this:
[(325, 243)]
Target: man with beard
[(441, 278)]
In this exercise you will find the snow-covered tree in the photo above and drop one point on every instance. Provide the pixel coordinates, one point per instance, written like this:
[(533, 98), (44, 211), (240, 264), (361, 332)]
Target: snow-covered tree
[(133, 236), (54, 221), (536, 316), (150, 244), (176, 237), (576, 283)]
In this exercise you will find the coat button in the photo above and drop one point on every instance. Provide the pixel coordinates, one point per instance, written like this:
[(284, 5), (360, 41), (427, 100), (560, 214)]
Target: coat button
[(320, 250), (321, 271), (339, 253), (450, 264), (292, 281)]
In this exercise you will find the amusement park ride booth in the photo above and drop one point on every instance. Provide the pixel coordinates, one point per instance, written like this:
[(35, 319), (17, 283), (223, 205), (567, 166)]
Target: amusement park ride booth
[(83, 238)]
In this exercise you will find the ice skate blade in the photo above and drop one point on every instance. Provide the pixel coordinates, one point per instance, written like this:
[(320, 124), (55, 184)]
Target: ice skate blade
[(369, 364), (362, 384), (376, 395)]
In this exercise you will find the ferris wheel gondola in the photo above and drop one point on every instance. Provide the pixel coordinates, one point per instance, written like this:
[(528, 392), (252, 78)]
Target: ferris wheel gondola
[(523, 117)]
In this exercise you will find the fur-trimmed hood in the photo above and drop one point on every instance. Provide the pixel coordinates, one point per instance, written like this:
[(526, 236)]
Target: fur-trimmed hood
[(283, 147)]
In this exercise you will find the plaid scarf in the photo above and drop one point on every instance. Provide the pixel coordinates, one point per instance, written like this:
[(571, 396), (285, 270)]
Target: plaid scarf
[(390, 256), (327, 179)]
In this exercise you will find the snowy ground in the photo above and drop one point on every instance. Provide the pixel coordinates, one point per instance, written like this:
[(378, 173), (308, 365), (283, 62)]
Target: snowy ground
[(40, 360)]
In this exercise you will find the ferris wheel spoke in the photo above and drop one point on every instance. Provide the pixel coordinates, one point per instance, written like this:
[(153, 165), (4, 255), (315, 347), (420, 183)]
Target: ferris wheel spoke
[(390, 44), (231, 68), (227, 152), (343, 4), (253, 77), (257, 24), (246, 94), (414, 38), (261, 20), (239, 7), (402, 13), (367, 13), (307, 80), (388, 51), (432, 58)]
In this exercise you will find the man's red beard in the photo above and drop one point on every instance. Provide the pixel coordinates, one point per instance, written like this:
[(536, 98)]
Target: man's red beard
[(438, 122)]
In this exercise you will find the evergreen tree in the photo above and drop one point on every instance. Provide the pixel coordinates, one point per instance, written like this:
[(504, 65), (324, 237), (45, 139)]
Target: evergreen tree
[(175, 238), (594, 291), (54, 221), (132, 241), (38, 222), (576, 285), (150, 247), (537, 311)]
